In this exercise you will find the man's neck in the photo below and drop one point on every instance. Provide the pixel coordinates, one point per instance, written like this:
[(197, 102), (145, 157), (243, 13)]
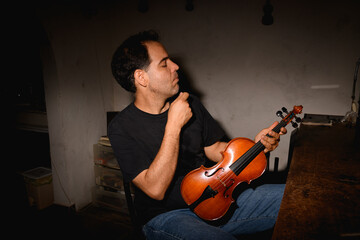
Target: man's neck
[(151, 105)]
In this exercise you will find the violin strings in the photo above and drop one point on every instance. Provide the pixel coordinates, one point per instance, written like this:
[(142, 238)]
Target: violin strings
[(248, 156)]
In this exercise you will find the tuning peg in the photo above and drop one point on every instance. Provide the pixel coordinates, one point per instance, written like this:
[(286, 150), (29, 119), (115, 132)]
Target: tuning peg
[(294, 124), (284, 110), (297, 119), (279, 114)]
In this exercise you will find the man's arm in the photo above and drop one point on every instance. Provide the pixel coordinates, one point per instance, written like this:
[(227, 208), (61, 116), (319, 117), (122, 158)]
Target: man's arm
[(155, 180), (213, 152)]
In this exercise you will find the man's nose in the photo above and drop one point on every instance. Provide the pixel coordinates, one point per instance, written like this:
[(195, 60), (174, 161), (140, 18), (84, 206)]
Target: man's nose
[(174, 66)]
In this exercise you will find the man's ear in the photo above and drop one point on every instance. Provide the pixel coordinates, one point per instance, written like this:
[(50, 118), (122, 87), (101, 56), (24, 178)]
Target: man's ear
[(140, 77)]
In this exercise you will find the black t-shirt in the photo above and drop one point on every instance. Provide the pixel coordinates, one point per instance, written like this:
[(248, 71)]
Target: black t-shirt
[(136, 137)]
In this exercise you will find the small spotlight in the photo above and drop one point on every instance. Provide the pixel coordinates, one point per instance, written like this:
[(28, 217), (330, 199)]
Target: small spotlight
[(189, 5), (143, 6), (268, 19)]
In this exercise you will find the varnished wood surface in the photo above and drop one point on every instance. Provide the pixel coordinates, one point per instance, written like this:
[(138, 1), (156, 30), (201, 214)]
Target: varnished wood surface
[(322, 193)]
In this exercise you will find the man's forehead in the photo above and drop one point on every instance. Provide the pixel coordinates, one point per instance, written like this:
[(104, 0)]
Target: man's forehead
[(156, 51)]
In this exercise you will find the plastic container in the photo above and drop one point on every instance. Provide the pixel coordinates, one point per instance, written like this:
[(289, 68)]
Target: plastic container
[(39, 187), (108, 177), (115, 200), (105, 156)]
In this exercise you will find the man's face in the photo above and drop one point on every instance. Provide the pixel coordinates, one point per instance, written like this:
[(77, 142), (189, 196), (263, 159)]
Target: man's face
[(162, 75)]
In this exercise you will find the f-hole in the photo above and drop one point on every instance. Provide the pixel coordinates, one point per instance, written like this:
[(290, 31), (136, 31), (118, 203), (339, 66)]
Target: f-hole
[(207, 173)]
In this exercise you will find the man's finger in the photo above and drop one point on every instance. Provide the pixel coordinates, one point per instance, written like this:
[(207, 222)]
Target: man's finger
[(273, 125), (184, 95)]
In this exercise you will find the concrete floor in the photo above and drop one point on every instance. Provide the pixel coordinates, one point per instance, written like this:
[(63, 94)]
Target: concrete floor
[(59, 222)]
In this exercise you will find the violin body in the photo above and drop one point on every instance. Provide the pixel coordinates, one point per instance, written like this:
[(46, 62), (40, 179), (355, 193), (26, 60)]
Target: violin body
[(208, 191), (221, 179)]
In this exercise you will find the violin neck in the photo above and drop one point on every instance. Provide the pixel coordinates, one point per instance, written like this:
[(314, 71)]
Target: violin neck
[(279, 126), (242, 162)]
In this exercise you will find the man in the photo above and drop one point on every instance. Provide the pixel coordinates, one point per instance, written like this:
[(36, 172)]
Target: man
[(163, 135)]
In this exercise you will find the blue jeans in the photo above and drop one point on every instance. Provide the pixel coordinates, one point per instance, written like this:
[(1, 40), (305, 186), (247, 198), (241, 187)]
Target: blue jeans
[(257, 211)]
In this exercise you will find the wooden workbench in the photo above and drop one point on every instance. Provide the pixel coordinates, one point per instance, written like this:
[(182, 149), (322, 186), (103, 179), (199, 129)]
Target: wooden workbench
[(322, 193)]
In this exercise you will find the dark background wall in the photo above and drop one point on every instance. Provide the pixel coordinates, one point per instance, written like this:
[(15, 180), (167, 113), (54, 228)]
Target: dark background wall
[(242, 70)]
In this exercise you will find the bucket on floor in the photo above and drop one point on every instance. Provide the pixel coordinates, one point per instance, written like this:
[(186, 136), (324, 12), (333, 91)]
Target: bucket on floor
[(39, 187)]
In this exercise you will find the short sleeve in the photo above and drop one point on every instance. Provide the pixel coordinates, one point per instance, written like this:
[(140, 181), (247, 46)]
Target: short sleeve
[(128, 154)]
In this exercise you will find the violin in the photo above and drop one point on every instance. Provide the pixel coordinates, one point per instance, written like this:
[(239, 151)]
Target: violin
[(208, 191)]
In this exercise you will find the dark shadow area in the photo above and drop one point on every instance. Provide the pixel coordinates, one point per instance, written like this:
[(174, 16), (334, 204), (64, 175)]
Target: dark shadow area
[(187, 85), (35, 150), (55, 221), (186, 82), (59, 222)]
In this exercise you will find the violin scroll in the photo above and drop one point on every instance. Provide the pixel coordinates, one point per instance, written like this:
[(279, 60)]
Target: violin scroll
[(290, 115)]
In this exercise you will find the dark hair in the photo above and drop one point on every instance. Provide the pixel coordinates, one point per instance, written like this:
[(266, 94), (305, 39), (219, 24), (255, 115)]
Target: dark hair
[(132, 54)]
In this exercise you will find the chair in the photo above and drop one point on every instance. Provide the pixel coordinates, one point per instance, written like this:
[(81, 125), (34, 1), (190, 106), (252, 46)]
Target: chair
[(137, 227)]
